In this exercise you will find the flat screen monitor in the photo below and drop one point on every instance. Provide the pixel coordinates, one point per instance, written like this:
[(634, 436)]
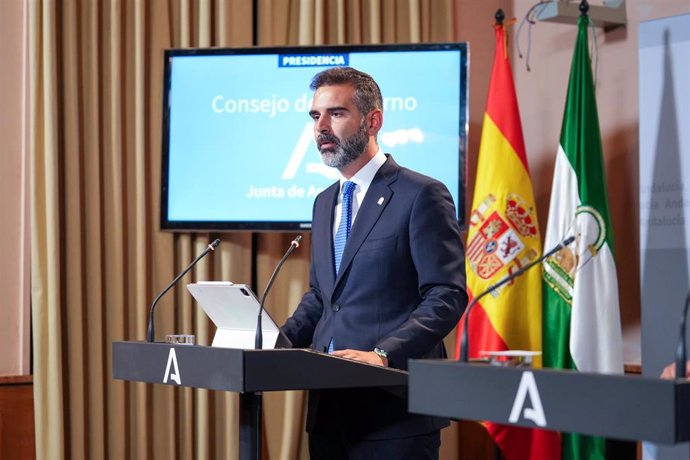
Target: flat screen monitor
[(238, 143)]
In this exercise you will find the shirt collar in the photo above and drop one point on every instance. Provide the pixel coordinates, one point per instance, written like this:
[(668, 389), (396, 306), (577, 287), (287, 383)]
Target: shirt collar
[(365, 175)]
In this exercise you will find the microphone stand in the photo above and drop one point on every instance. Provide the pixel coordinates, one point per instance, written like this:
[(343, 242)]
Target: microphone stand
[(259, 339), (254, 401), (464, 352), (150, 332)]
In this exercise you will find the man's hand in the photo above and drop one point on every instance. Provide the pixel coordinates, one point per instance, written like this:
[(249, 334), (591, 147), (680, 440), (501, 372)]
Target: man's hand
[(365, 356), (669, 371)]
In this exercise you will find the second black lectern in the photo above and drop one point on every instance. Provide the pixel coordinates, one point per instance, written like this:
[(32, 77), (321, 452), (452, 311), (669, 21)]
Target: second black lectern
[(247, 372), (614, 406)]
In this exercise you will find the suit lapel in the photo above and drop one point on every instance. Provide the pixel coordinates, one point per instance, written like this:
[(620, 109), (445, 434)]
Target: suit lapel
[(374, 203), (322, 238)]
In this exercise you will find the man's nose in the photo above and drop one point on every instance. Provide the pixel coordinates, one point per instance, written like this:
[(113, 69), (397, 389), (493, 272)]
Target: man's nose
[(322, 125)]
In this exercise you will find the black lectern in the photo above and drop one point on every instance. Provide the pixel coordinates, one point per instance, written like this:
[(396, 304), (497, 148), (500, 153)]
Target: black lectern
[(247, 372), (614, 406)]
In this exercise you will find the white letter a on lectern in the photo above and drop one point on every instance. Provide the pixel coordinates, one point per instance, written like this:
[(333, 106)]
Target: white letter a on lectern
[(536, 413), (175, 375)]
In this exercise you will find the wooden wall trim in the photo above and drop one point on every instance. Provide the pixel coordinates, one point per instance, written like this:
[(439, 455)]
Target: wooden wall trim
[(17, 426), (16, 379)]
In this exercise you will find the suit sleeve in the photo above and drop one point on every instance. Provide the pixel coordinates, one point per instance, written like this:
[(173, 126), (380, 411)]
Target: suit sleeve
[(438, 257), (300, 327)]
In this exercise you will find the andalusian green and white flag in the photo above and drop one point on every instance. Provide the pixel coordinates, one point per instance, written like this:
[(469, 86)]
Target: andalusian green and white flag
[(581, 315)]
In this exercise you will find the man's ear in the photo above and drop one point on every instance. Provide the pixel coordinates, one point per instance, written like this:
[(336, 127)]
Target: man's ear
[(375, 122)]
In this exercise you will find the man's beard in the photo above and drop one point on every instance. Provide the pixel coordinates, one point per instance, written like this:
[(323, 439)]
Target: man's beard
[(344, 152)]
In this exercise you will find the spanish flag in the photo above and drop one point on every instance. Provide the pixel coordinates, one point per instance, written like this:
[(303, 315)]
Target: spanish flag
[(503, 236)]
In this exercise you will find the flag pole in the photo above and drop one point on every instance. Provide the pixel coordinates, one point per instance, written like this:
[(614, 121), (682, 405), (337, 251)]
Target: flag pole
[(584, 7)]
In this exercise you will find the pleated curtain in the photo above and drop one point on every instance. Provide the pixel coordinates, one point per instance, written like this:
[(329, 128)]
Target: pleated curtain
[(98, 254)]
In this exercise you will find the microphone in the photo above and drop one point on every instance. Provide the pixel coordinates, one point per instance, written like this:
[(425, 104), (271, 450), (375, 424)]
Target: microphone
[(680, 349), (211, 247), (259, 338), (464, 352)]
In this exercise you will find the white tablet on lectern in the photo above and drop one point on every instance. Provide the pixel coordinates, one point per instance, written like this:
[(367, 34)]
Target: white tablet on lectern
[(234, 308)]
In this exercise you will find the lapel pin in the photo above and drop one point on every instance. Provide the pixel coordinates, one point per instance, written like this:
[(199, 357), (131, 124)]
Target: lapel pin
[(380, 202)]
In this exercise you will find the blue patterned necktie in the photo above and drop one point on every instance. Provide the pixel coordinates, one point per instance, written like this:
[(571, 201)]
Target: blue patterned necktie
[(343, 232)]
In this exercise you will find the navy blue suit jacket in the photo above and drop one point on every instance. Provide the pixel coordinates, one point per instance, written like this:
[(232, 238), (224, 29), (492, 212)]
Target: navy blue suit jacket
[(401, 287)]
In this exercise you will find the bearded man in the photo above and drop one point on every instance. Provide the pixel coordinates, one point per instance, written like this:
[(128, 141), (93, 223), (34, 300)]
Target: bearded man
[(387, 279)]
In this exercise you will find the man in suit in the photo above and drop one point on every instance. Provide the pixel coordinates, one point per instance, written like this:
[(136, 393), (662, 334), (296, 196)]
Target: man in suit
[(387, 279)]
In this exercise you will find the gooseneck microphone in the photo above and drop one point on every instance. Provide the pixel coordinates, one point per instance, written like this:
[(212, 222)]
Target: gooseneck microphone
[(259, 338), (464, 352), (680, 349), (211, 247)]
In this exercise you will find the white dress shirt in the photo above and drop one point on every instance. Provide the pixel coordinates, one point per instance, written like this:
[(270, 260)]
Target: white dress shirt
[(362, 180)]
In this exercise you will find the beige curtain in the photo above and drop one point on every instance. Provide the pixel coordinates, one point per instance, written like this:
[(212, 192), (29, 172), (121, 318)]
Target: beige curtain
[(98, 255)]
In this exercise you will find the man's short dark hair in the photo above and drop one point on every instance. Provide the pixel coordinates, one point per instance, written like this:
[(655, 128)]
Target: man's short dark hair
[(367, 95)]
